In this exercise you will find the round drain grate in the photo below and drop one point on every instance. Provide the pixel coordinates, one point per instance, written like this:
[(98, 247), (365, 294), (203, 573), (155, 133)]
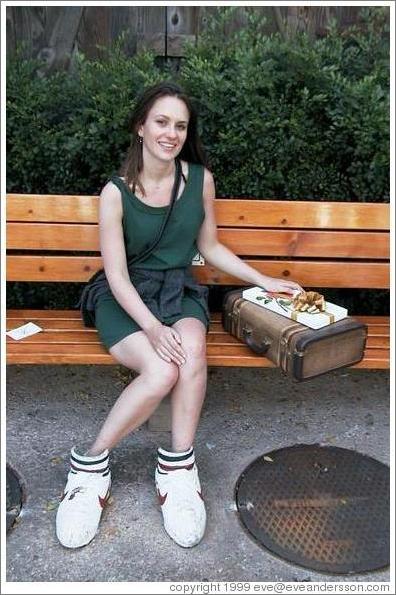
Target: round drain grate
[(322, 507), (14, 497)]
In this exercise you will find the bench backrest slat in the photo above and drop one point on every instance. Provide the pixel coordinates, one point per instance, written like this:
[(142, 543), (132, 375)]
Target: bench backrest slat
[(229, 212), (302, 214), (52, 208), (309, 273), (319, 244), (268, 242)]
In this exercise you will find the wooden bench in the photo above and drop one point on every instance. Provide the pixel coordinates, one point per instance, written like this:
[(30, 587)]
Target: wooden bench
[(318, 244)]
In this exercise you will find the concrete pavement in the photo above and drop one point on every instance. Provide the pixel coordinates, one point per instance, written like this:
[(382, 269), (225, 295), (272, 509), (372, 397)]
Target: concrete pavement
[(247, 412)]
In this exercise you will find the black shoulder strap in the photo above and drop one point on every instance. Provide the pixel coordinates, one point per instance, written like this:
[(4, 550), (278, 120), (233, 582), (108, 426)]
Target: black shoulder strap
[(100, 274), (175, 190)]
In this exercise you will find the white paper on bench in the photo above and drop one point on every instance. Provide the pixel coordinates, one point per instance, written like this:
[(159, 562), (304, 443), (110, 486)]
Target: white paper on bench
[(30, 328)]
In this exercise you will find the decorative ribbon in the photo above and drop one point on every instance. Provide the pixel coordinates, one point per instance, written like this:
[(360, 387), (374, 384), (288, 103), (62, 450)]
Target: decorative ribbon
[(294, 315)]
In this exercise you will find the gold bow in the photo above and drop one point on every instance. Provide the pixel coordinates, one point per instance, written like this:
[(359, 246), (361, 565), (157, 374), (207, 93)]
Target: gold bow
[(309, 301)]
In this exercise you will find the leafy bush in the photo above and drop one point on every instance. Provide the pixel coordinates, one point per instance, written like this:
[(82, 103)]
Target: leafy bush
[(280, 118), (295, 118), (68, 132)]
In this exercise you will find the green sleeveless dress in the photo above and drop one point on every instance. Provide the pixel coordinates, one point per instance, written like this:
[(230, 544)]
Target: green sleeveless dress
[(177, 247)]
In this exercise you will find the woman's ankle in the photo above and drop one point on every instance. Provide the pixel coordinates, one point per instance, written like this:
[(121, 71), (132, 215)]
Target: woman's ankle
[(95, 451)]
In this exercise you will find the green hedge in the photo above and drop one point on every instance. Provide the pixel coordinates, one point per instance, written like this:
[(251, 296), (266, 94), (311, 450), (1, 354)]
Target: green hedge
[(66, 133), (294, 119)]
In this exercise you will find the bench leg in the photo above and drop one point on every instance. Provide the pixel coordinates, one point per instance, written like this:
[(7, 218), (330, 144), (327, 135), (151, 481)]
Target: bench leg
[(160, 420)]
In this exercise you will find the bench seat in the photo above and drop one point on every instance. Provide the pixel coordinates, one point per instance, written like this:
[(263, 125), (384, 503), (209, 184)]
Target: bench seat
[(55, 239), (65, 340)]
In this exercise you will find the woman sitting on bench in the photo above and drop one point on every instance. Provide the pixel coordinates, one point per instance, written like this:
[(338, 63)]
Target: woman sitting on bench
[(151, 314)]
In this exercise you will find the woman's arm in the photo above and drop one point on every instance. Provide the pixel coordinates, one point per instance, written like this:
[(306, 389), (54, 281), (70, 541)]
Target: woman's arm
[(114, 257), (165, 340), (224, 259)]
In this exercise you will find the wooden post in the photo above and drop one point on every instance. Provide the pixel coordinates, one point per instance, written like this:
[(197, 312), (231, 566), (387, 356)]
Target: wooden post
[(60, 36), (182, 22)]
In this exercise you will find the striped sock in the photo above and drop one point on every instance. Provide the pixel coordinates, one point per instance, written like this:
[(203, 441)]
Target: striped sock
[(170, 461), (89, 464)]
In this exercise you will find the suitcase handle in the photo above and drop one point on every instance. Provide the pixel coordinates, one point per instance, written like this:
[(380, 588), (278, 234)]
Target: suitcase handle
[(260, 349)]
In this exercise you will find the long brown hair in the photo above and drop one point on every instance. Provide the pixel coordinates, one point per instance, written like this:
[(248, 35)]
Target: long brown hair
[(192, 150)]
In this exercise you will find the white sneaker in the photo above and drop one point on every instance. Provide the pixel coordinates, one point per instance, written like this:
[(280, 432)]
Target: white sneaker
[(182, 505), (86, 493)]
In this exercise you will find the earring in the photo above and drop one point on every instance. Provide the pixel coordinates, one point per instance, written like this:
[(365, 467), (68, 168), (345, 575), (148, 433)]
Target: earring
[(140, 139)]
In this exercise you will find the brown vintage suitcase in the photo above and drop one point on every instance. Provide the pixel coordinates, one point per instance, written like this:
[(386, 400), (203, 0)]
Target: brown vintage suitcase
[(301, 352)]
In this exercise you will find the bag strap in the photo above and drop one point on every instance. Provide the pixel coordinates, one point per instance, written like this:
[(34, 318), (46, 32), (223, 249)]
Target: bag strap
[(175, 190), (148, 251)]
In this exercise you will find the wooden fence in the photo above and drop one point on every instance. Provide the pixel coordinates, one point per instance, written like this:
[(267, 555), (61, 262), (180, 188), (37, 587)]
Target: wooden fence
[(54, 33)]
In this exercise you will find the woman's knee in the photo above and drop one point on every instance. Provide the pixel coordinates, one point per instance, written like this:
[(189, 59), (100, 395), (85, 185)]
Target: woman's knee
[(161, 375), (196, 353), (196, 363)]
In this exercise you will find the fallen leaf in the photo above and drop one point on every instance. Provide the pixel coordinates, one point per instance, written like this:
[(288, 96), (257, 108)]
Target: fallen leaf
[(124, 375), (110, 532), (56, 460), (235, 407), (51, 505)]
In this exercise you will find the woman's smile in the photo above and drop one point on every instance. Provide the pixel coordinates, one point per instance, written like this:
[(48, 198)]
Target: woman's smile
[(167, 146)]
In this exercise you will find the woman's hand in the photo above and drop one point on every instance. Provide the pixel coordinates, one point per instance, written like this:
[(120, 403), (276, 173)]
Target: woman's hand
[(281, 285), (167, 343)]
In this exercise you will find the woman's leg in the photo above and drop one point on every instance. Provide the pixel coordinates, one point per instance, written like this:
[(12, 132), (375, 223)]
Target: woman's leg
[(141, 397), (176, 476), (188, 393), (89, 479)]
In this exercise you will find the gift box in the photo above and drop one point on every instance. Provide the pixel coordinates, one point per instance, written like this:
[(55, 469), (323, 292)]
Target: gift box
[(281, 303)]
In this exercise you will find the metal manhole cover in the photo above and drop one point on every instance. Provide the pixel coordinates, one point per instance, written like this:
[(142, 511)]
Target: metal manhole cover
[(322, 507), (14, 497)]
